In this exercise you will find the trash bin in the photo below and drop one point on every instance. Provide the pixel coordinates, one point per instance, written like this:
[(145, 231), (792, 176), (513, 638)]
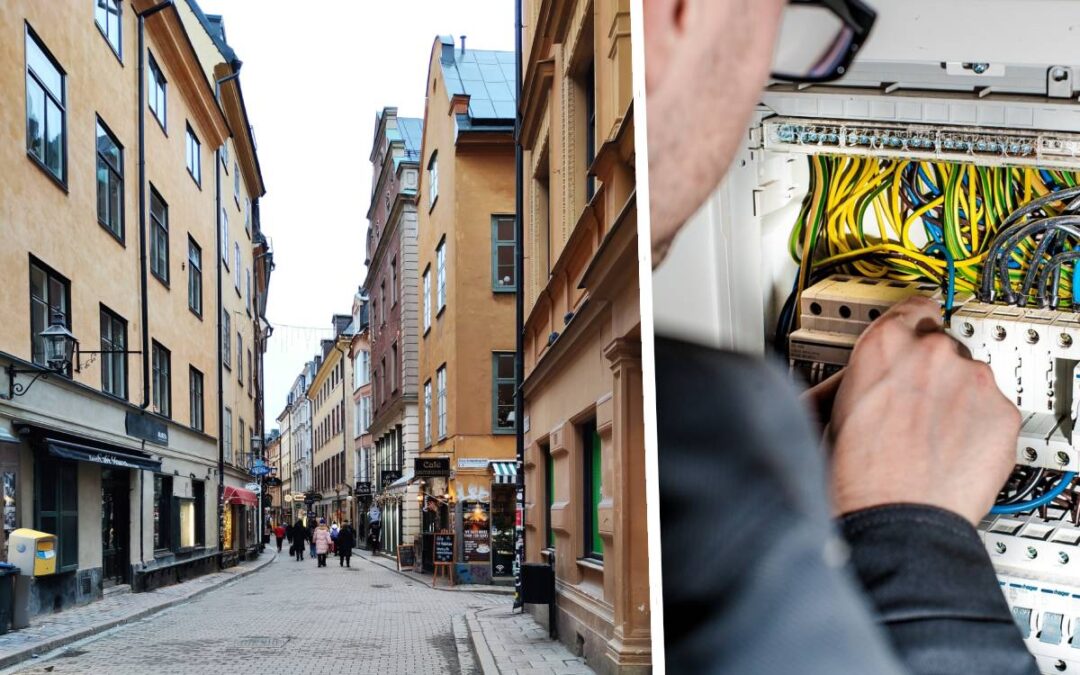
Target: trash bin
[(8, 572), (537, 584)]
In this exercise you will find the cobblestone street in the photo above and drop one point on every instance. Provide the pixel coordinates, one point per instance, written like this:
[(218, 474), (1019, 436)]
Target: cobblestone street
[(290, 617)]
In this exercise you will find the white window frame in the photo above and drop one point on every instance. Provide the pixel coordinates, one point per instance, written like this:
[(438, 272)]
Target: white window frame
[(427, 298), (440, 276), (433, 179), (427, 413), (440, 392)]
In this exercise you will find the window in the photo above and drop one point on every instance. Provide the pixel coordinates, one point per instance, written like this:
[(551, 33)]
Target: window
[(224, 237), (394, 368), (236, 184), (433, 179), (194, 156), (247, 288), (427, 298), (163, 488), (440, 276), (240, 359), (159, 237), (363, 368), (195, 386), (226, 436), (594, 545), (56, 509), (382, 302), (393, 282), (367, 412), (549, 492), (251, 368), (224, 155), (107, 18), (194, 278), (503, 391), (503, 248), (440, 389), (162, 380), (46, 99), (241, 452), (590, 130), (427, 413), (236, 269), (155, 91), (110, 182), (247, 216), (50, 294), (198, 491), (114, 364), (226, 338)]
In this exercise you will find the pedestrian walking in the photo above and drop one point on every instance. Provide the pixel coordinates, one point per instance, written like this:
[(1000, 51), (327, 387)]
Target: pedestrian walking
[(344, 543), (373, 536), (321, 541), (279, 534), (299, 538)]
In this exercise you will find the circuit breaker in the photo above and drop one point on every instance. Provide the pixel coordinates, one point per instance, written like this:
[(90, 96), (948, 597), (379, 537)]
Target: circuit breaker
[(897, 180)]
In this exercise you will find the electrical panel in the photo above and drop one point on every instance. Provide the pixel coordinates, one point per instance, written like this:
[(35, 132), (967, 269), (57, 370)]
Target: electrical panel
[(961, 130)]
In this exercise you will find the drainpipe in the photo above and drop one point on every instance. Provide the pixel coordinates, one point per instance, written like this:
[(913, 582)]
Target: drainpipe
[(519, 317), (143, 280)]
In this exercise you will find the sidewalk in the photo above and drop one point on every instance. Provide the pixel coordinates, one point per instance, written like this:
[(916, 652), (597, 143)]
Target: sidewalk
[(510, 642), (443, 584), (51, 631)]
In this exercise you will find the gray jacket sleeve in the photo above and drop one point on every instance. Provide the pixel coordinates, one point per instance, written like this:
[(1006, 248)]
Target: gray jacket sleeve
[(757, 578)]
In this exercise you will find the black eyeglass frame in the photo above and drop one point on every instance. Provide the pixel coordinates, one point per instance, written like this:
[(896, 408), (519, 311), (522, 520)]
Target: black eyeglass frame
[(854, 14)]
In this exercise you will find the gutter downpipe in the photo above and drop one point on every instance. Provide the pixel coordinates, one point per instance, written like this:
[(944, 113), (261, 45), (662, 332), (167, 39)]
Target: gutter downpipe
[(519, 317), (143, 280)]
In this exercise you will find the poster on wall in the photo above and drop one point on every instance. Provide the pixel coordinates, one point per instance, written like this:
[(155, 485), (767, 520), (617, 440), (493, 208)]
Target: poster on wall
[(476, 531), (9, 501)]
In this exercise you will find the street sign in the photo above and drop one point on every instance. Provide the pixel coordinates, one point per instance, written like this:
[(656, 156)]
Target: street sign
[(272, 481), (254, 487), (260, 469)]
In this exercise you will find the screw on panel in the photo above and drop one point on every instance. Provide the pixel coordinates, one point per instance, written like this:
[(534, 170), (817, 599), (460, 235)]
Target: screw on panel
[(1059, 74), (1030, 454), (1000, 547), (967, 330), (980, 68), (1063, 557), (1032, 336), (1060, 665), (1065, 340), (1063, 458), (1032, 552), (999, 333)]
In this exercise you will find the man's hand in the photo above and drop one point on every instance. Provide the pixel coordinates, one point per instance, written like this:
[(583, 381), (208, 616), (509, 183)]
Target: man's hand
[(917, 421)]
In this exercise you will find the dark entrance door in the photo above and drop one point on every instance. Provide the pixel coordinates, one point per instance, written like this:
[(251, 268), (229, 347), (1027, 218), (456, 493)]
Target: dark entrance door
[(115, 537)]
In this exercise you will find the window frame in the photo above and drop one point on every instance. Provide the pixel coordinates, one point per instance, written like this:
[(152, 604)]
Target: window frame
[(441, 398), (51, 275), (226, 435), (193, 155), (197, 414), (440, 277), (433, 180), (158, 229), (118, 47), (428, 421), (592, 490), (158, 373), (224, 238), (240, 358), (60, 513), (226, 331), (195, 278), (496, 381), (113, 172), (427, 298), (30, 74), (108, 360), (496, 245), (162, 520), (157, 83), (236, 267)]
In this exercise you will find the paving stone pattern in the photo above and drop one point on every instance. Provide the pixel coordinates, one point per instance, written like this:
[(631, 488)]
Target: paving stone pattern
[(520, 646), (291, 617)]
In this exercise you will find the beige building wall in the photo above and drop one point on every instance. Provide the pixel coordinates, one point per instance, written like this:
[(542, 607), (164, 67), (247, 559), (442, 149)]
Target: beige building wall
[(332, 424), (583, 383)]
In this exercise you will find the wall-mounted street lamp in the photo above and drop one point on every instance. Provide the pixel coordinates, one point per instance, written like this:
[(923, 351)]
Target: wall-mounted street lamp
[(61, 351)]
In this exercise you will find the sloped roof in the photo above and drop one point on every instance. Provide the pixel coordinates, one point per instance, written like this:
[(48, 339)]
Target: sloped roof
[(411, 130), (485, 76)]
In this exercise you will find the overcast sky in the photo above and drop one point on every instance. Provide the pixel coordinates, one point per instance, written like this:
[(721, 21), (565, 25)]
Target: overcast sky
[(313, 81)]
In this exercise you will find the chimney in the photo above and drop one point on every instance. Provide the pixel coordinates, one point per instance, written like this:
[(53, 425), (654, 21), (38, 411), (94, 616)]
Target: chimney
[(463, 45)]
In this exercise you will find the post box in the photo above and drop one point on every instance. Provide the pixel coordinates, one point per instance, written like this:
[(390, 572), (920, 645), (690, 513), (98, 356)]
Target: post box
[(33, 552)]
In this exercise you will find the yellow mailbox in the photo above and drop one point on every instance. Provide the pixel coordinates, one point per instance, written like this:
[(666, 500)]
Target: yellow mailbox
[(33, 552)]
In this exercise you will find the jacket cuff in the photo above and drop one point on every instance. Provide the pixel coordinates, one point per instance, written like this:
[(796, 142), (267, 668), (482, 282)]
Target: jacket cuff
[(920, 562)]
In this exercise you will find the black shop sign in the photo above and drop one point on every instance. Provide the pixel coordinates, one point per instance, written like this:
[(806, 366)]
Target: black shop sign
[(432, 467), (363, 489), (443, 548), (388, 477)]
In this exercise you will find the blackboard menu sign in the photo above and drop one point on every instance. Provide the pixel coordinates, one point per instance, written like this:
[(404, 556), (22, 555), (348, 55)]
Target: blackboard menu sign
[(476, 531), (444, 549), (406, 556)]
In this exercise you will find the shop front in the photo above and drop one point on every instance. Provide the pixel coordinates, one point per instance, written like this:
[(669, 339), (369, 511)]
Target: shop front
[(240, 515)]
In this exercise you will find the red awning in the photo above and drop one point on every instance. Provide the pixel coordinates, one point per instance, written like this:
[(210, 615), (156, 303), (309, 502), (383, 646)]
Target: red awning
[(235, 495)]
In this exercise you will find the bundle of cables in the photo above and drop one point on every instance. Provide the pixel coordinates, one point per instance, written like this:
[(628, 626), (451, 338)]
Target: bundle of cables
[(941, 222), (1016, 496)]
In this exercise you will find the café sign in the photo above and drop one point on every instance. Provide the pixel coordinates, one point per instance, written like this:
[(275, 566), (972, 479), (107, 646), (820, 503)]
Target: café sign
[(432, 467)]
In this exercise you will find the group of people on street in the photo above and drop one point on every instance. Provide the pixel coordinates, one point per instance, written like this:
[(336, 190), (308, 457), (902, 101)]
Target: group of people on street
[(320, 540)]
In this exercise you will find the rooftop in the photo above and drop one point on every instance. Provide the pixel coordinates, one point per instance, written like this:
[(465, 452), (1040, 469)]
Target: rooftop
[(485, 76)]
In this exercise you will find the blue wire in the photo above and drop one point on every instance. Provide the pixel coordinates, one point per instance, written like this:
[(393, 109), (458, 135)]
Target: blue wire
[(1066, 479), (929, 183), (1076, 285), (950, 267)]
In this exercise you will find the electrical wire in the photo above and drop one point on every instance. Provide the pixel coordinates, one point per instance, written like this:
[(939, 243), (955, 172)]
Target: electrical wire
[(1045, 498)]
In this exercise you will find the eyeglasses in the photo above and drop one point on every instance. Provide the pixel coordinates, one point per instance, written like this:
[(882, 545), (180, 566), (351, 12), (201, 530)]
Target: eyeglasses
[(818, 39)]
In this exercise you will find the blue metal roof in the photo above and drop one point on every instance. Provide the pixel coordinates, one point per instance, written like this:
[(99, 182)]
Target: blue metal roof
[(411, 130), (485, 76)]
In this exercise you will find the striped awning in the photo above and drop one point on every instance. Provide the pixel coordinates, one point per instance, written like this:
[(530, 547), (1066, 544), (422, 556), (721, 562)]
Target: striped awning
[(505, 473)]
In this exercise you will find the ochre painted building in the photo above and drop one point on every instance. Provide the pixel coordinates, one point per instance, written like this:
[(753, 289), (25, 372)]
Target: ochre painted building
[(585, 454), (331, 424), (466, 320)]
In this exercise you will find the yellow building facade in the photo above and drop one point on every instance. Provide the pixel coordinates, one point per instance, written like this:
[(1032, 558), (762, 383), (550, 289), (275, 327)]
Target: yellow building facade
[(465, 242), (117, 450), (584, 440), (332, 424)]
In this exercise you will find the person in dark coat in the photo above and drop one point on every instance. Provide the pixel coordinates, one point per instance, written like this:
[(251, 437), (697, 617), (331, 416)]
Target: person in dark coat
[(344, 543), (299, 539)]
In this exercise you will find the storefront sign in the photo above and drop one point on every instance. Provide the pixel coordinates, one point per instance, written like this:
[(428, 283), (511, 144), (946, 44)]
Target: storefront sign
[(388, 477), (432, 467), (288, 498), (476, 531), (272, 481), (363, 489), (140, 425), (253, 487), (472, 463)]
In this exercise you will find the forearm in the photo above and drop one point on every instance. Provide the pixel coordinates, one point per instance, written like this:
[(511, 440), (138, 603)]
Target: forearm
[(927, 574)]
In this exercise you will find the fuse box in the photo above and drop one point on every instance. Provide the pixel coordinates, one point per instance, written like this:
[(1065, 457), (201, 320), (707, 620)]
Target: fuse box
[(953, 88)]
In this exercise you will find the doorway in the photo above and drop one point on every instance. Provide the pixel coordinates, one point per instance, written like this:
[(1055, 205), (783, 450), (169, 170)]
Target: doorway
[(115, 521)]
